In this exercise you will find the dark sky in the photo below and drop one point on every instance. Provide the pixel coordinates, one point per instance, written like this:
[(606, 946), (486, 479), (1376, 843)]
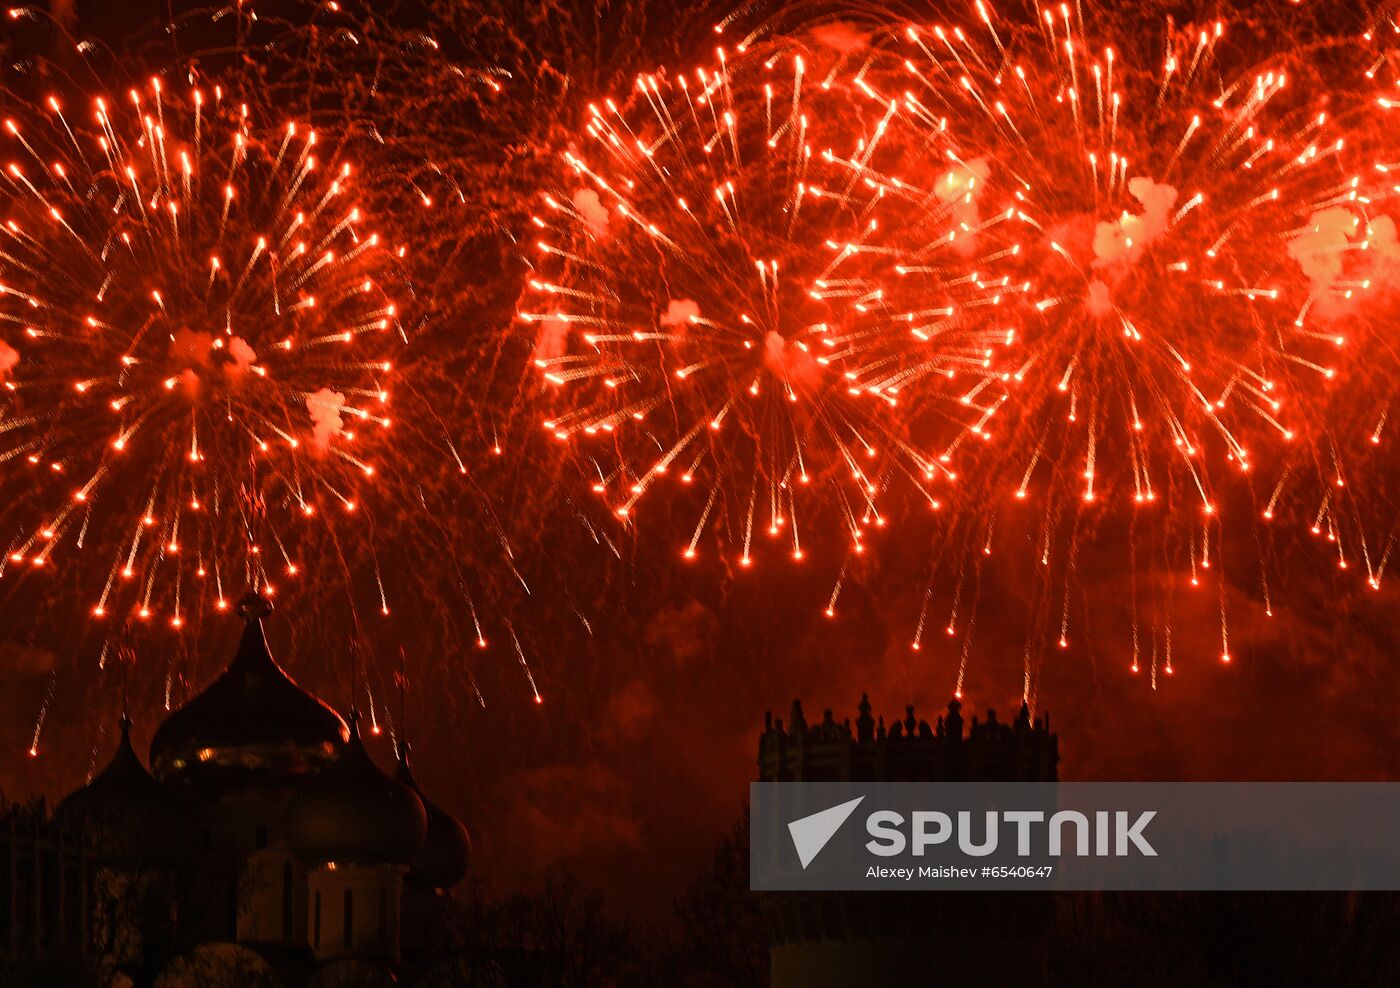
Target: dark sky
[(639, 756)]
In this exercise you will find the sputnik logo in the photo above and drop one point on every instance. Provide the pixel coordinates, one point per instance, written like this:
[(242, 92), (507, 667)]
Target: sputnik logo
[(812, 833)]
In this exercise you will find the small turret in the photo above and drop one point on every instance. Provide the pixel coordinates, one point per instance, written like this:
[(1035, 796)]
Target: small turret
[(353, 813), (865, 724), (356, 830), (134, 821), (443, 858)]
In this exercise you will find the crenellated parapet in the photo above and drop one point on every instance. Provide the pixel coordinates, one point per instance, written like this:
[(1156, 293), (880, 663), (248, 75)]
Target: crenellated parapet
[(909, 749), (845, 938)]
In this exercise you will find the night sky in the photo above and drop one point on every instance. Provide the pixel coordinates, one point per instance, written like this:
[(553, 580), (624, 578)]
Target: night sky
[(655, 673)]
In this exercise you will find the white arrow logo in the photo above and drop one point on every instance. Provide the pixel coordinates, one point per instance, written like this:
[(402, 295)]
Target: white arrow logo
[(811, 833)]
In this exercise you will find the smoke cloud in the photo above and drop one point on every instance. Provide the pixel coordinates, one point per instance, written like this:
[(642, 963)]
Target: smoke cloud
[(203, 354), (242, 356), (1121, 239), (1319, 249), (1099, 299), (679, 312), (325, 406), (9, 359), (189, 348), (1337, 244), (553, 340), (961, 187), (840, 36), (594, 213), (682, 633), (789, 361), (1383, 239)]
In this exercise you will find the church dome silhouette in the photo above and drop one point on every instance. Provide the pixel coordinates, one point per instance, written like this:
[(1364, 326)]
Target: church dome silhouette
[(253, 720), (132, 817), (352, 813), (445, 855)]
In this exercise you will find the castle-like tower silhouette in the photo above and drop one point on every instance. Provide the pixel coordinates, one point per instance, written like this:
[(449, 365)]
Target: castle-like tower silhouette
[(853, 939)]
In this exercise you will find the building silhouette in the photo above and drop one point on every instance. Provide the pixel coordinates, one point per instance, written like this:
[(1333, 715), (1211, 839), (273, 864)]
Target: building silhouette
[(264, 846), (850, 939), (46, 873)]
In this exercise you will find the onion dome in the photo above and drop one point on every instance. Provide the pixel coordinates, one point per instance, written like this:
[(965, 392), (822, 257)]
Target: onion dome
[(252, 721), (442, 860), (133, 819), (352, 813)]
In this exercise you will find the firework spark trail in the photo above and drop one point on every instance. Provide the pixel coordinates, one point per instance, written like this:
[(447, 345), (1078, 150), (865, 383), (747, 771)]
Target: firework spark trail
[(43, 716), (1350, 254), (960, 350), (446, 129)]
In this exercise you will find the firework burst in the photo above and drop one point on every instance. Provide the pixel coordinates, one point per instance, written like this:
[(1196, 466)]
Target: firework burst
[(198, 344), (714, 247), (1150, 217), (1168, 236), (1051, 281)]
